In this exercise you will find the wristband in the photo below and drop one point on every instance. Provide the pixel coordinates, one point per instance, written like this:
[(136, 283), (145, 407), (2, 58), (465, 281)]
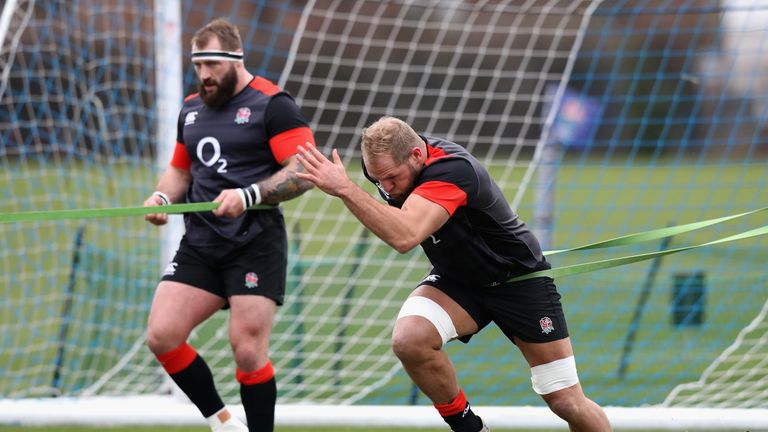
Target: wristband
[(164, 197), (250, 195)]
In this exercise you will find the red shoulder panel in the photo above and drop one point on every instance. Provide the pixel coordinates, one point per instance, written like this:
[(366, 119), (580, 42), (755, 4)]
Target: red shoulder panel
[(265, 86), (284, 144), (192, 96), (447, 195)]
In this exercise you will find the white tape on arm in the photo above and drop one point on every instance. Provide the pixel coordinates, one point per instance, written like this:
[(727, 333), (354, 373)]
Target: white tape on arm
[(427, 308)]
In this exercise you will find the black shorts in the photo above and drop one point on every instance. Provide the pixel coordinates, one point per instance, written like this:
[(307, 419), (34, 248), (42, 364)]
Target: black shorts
[(528, 309), (256, 268)]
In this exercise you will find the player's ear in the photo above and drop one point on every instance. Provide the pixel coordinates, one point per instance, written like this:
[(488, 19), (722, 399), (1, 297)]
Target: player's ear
[(418, 154)]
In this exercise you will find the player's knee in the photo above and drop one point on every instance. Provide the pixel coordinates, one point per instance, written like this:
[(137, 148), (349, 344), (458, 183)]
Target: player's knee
[(564, 404), (557, 383), (250, 349), (422, 326), (162, 340), (246, 356), (411, 342)]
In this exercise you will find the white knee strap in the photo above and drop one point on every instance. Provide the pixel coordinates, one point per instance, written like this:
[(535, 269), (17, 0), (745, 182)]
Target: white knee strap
[(557, 375), (426, 308)]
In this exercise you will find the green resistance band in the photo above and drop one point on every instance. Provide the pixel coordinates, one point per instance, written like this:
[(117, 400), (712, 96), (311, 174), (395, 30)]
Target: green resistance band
[(615, 262), (654, 234), (556, 272), (105, 212)]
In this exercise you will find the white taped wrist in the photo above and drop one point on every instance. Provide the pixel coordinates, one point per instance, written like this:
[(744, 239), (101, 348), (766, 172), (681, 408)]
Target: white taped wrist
[(164, 197), (251, 195), (256, 194)]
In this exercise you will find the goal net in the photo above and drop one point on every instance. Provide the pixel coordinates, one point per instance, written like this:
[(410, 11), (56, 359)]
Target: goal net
[(596, 118)]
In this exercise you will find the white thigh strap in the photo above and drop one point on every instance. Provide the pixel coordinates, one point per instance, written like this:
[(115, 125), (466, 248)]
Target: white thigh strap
[(426, 308), (553, 376)]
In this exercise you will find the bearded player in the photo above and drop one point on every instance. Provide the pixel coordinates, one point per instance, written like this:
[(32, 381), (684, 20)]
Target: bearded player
[(236, 145)]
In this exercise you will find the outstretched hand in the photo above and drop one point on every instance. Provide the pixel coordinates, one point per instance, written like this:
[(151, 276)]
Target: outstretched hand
[(330, 177)]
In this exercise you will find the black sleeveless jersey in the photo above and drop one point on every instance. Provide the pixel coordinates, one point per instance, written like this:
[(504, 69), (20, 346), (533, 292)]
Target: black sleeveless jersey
[(229, 147), (484, 240)]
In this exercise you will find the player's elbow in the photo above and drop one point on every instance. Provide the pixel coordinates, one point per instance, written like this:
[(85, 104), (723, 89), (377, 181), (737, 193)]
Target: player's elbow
[(404, 245), (402, 249)]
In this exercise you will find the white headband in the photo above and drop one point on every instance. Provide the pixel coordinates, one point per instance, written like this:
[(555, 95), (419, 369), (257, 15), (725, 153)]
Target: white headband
[(217, 55)]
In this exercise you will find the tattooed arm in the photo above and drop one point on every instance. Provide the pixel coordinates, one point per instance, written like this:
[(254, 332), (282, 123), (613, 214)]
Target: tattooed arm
[(284, 184), (281, 186)]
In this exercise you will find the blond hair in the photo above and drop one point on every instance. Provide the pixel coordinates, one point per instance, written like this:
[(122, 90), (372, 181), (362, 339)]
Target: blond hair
[(392, 136), (226, 32)]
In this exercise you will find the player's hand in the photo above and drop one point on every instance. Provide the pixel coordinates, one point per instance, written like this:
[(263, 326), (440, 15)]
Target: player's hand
[(330, 177), (155, 218), (231, 204)]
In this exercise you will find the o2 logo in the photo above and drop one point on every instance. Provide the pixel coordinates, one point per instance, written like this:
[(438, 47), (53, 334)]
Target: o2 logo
[(215, 158)]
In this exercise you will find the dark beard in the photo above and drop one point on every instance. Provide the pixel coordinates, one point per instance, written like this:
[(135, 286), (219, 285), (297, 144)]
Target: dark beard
[(224, 91)]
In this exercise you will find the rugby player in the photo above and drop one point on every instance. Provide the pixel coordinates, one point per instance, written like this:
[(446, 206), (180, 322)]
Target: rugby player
[(442, 198), (236, 145)]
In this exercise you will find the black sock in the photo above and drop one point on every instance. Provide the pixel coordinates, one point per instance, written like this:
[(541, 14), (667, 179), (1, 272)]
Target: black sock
[(465, 421), (196, 381), (259, 404), (458, 414)]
